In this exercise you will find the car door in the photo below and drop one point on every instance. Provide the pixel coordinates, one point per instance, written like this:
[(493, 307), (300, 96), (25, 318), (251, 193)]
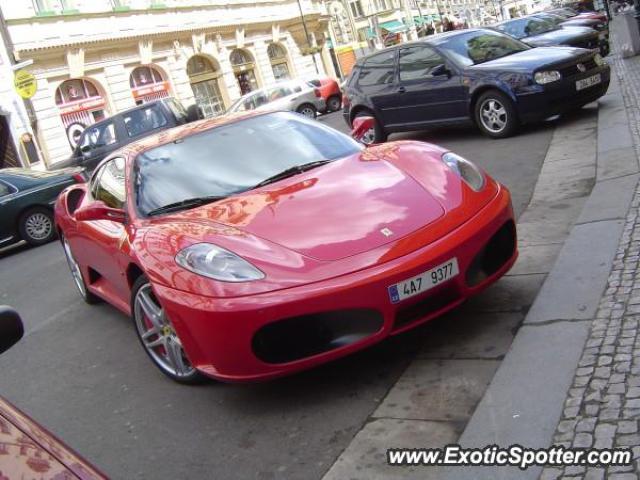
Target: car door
[(429, 89), (100, 242), (8, 220), (377, 82), (97, 142)]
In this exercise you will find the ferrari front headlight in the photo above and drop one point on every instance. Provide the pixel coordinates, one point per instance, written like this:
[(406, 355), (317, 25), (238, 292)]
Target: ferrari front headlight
[(465, 169), (218, 263)]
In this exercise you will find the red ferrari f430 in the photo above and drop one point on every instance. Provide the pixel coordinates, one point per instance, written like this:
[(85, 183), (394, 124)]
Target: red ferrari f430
[(250, 247)]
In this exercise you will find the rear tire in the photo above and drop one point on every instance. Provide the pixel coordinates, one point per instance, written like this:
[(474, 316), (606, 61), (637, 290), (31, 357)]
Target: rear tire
[(36, 226), (158, 337), (334, 103), (496, 115), (307, 110), (374, 135)]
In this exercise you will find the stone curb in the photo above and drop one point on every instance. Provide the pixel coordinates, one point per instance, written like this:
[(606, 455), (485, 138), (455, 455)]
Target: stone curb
[(525, 399)]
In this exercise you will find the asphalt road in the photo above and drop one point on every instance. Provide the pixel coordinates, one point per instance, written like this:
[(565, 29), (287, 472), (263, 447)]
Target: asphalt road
[(81, 372)]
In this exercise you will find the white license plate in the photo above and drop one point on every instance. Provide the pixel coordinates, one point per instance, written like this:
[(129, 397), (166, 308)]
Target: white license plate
[(423, 282), (588, 82)]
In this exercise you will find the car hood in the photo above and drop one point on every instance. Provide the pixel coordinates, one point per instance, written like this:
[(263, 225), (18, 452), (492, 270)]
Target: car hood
[(29, 451), (532, 59), (559, 36), (343, 208)]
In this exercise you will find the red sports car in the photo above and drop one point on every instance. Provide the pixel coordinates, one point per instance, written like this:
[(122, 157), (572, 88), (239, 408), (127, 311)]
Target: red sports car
[(254, 246)]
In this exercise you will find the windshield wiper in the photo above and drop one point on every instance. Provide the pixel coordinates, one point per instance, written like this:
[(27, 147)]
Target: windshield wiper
[(187, 203), (290, 172)]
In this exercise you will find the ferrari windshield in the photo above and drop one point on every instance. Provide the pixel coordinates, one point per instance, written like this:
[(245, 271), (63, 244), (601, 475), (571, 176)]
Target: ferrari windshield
[(480, 46), (233, 158)]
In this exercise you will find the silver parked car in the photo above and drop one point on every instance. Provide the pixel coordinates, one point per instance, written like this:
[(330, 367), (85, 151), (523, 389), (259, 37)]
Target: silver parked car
[(294, 95)]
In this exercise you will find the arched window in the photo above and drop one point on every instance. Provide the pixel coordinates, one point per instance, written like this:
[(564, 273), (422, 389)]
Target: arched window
[(148, 84), (279, 64), (244, 70), (81, 104), (204, 76)]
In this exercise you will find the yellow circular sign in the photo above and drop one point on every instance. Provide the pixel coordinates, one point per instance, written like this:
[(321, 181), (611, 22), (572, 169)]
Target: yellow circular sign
[(25, 84)]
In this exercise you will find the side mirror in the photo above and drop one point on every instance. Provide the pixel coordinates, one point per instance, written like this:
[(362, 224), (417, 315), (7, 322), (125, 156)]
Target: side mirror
[(99, 211), (194, 112), (440, 70), (11, 328), (362, 130)]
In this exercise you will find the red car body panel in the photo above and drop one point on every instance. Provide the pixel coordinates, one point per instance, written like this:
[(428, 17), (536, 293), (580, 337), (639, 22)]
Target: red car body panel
[(328, 88), (29, 451), (316, 236)]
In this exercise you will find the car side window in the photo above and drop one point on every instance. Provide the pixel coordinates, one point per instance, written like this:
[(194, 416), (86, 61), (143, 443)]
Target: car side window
[(178, 110), (418, 62), (110, 185), (144, 120), (378, 69), (5, 189), (98, 136)]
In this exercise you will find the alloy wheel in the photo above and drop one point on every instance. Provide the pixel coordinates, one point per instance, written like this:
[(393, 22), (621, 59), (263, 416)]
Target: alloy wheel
[(38, 226), (308, 112), (493, 115), (158, 336), (76, 273)]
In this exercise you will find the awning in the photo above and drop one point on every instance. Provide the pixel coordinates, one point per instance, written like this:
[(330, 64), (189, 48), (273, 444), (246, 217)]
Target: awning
[(394, 26), (426, 19)]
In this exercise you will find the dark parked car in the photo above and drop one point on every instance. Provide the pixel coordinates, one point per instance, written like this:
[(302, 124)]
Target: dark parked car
[(540, 33), (476, 75), (26, 203), (579, 22), (100, 139), (27, 449)]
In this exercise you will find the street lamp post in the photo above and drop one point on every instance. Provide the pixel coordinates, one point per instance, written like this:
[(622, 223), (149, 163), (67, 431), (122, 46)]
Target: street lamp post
[(306, 35)]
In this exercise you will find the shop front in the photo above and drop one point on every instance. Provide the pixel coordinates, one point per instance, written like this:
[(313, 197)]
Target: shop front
[(148, 84), (244, 69), (205, 78), (81, 104), (279, 62)]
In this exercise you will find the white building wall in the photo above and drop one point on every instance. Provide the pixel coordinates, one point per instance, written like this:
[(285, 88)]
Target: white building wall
[(109, 41)]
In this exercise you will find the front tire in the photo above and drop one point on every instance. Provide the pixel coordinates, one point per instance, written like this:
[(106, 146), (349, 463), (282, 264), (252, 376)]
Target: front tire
[(375, 134), (307, 110), (496, 115), (36, 226), (158, 337)]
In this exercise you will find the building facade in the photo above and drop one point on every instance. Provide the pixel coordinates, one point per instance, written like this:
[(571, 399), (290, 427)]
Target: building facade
[(93, 58)]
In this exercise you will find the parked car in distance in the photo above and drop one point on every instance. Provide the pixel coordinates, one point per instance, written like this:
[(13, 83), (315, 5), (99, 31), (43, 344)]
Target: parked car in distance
[(329, 91), (108, 135), (477, 75), (539, 33), (573, 14), (26, 446), (26, 202), (598, 26), (231, 246), (295, 95)]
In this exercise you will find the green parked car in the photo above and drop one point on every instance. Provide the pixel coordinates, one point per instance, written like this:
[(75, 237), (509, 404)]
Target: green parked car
[(26, 203)]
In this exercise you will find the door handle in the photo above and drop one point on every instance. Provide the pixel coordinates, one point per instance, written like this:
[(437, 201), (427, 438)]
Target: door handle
[(401, 89)]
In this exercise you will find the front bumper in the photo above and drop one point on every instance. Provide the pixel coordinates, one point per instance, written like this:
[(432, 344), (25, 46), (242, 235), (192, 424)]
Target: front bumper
[(560, 97), (222, 336)]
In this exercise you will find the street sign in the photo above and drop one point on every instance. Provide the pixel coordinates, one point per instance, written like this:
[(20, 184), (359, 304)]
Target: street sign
[(25, 84)]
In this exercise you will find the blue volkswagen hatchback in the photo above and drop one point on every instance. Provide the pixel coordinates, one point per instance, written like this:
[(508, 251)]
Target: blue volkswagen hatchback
[(480, 76)]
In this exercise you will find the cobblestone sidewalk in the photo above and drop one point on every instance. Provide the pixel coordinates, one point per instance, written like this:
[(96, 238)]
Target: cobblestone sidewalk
[(602, 409)]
